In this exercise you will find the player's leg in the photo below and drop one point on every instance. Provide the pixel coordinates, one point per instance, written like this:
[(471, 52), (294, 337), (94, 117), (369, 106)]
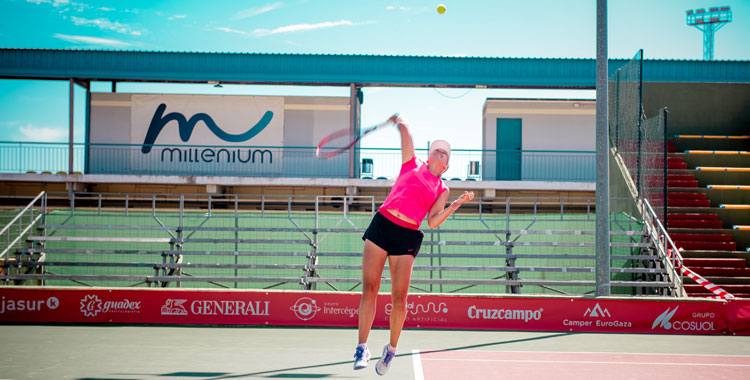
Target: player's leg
[(373, 261), (400, 268)]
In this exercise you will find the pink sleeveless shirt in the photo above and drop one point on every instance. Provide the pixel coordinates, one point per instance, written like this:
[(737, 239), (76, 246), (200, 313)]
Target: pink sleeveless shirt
[(415, 191)]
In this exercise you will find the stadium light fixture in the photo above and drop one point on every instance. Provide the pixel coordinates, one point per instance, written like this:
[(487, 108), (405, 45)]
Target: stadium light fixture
[(709, 22)]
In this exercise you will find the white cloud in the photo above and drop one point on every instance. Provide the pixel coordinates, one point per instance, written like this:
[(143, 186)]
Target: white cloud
[(65, 6), (56, 3), (301, 28), (92, 40), (105, 24), (31, 132), (251, 12), (399, 7), (106, 9), (176, 17), (228, 30)]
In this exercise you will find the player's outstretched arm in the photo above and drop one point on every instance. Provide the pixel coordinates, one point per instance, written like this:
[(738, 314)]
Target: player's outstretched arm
[(439, 213)]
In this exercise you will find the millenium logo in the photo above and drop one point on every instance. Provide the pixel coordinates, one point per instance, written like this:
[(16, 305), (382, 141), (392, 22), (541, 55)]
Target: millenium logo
[(186, 127)]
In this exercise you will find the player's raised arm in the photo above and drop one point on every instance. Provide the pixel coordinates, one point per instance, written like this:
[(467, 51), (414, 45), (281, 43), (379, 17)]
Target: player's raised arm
[(407, 144)]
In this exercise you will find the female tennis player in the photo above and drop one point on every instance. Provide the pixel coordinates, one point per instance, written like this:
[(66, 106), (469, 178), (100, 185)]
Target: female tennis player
[(394, 235)]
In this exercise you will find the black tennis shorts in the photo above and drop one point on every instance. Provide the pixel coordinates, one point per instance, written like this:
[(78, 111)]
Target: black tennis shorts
[(394, 239)]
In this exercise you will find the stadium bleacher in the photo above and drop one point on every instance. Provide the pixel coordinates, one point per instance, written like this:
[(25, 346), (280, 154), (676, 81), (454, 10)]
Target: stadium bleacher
[(707, 205), (537, 246)]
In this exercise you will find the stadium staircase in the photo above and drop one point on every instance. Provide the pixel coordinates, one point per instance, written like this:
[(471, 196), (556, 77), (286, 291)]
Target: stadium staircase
[(708, 209)]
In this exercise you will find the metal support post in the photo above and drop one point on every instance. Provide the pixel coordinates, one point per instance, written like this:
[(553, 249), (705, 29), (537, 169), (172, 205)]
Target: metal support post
[(71, 95), (236, 235), (352, 124), (666, 158), (602, 155)]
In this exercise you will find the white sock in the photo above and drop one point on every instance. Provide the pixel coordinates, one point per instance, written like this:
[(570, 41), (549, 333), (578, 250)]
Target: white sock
[(391, 348), (363, 345)]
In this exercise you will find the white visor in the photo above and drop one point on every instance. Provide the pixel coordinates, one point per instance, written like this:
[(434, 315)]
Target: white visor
[(441, 144)]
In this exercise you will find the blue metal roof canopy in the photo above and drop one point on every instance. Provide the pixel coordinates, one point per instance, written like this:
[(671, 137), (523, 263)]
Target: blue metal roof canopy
[(364, 70)]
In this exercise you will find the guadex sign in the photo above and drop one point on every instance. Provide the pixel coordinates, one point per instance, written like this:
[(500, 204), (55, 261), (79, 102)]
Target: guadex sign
[(92, 305), (296, 308)]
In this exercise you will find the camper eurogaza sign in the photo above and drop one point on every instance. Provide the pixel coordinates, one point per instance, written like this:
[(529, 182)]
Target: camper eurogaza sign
[(207, 134)]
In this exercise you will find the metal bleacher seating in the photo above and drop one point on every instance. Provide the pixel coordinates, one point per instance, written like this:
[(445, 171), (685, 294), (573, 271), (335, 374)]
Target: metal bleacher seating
[(508, 245)]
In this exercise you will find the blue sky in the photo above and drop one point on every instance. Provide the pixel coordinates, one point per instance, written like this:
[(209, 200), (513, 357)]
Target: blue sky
[(492, 28)]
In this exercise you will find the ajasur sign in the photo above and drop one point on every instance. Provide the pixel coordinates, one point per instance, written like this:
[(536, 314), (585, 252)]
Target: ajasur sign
[(160, 306)]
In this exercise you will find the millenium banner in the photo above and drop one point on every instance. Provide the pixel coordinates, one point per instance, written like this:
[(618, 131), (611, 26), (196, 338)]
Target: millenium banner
[(206, 133)]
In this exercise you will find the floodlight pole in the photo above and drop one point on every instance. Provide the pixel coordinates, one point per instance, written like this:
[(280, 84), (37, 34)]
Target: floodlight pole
[(708, 23), (602, 154)]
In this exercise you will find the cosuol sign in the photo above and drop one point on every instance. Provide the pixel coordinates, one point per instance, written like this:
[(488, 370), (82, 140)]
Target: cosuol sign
[(207, 134)]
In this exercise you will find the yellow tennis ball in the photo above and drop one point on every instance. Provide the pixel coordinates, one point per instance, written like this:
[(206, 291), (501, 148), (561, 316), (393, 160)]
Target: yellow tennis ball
[(441, 8)]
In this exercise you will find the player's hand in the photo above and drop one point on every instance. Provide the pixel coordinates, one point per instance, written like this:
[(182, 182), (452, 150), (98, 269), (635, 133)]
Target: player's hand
[(398, 120), (463, 198)]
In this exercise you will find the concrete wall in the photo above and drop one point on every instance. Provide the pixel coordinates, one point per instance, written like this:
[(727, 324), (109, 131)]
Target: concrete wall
[(701, 108), (548, 125), (110, 118)]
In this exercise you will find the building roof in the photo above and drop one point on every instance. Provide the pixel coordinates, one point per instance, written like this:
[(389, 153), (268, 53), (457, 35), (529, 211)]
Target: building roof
[(330, 69)]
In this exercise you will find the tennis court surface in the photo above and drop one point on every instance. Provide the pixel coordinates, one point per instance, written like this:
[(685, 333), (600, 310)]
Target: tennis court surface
[(205, 353)]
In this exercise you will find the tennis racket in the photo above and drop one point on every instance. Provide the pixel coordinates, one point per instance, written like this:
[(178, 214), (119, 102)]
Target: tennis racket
[(341, 140)]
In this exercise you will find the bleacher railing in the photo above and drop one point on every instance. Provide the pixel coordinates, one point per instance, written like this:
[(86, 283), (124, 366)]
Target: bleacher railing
[(664, 247), (497, 245), (18, 224), (266, 161)]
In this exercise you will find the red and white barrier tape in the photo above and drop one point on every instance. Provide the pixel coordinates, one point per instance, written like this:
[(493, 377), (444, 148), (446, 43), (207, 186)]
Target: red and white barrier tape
[(710, 286)]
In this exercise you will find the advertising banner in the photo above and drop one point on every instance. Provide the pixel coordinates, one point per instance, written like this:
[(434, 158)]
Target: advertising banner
[(291, 308), (199, 134), (739, 316)]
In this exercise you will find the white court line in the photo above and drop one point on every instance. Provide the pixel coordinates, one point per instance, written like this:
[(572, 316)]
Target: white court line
[(592, 362), (594, 352), (418, 374)]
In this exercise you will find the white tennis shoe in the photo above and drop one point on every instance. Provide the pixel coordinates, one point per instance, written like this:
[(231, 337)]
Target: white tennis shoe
[(385, 360), (361, 357)]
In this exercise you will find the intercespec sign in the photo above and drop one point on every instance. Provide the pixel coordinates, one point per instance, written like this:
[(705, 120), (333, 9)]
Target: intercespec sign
[(293, 308)]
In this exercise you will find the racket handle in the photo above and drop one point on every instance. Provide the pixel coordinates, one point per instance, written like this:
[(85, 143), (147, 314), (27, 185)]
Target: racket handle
[(396, 118)]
